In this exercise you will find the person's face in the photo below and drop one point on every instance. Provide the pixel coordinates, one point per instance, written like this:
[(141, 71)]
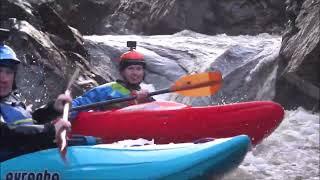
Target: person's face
[(133, 74), (6, 81)]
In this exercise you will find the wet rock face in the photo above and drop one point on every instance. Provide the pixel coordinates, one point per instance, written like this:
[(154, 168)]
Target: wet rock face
[(49, 54), (22, 10), (300, 55), (215, 17), (86, 15), (171, 16)]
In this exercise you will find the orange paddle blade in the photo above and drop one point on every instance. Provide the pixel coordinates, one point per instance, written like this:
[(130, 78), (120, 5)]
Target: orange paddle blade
[(203, 84)]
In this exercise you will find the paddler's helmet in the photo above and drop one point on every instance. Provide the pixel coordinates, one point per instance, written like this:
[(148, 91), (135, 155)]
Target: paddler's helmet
[(131, 57), (8, 57)]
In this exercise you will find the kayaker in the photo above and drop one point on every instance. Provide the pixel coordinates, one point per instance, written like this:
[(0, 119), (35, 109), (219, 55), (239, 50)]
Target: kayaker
[(13, 111), (132, 70), (18, 131)]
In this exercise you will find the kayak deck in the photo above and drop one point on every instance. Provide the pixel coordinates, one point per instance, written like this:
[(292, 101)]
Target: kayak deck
[(181, 123), (171, 161)]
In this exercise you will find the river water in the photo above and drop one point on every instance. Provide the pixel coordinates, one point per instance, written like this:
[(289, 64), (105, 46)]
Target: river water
[(248, 64), (290, 152)]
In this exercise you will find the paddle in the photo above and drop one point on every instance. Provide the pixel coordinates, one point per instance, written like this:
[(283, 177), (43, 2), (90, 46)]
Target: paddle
[(63, 134), (203, 84)]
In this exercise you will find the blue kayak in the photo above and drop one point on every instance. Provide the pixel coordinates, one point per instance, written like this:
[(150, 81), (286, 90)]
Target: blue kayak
[(111, 161)]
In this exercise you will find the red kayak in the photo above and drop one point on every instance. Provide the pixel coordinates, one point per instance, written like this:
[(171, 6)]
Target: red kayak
[(167, 122)]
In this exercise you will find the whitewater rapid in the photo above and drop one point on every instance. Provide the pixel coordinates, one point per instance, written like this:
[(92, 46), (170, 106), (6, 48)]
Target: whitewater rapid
[(249, 66), (291, 152), (248, 63)]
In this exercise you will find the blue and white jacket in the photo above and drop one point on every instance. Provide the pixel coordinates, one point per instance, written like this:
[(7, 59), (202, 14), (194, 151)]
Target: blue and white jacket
[(108, 91), (13, 111)]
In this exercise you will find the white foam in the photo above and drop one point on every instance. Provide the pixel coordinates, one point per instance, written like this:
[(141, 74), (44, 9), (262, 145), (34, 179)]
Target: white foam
[(290, 152)]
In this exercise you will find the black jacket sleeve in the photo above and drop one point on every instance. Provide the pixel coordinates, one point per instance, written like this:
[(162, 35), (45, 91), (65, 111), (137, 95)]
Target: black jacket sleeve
[(45, 114), (27, 136)]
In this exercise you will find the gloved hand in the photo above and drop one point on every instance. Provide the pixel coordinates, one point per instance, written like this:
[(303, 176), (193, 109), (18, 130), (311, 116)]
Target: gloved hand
[(141, 95), (60, 101), (59, 126)]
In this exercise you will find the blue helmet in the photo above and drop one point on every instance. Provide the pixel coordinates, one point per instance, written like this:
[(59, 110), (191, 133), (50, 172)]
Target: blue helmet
[(7, 56)]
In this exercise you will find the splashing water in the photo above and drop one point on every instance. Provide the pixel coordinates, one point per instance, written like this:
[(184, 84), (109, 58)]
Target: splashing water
[(290, 152), (249, 68)]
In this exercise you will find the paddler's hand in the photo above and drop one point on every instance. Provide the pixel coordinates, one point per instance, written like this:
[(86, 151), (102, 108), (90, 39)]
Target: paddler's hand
[(141, 95), (59, 126), (60, 101)]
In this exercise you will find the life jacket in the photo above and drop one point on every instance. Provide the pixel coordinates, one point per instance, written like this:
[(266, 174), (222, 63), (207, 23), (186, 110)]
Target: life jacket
[(131, 88), (112, 90), (13, 111), (100, 93)]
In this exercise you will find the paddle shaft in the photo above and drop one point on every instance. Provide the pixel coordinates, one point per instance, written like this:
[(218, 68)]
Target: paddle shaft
[(129, 98), (118, 100), (185, 84), (63, 133), (66, 108)]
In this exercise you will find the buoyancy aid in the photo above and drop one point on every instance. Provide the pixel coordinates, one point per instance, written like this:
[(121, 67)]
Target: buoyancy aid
[(13, 111), (112, 90)]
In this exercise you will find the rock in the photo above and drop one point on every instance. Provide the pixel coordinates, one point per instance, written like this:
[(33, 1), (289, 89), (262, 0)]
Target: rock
[(49, 54), (21, 10), (71, 37), (246, 76), (171, 16), (300, 55), (86, 15), (215, 17)]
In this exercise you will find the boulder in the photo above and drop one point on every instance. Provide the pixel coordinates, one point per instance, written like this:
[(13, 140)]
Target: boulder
[(86, 15), (216, 17), (152, 17), (49, 55), (300, 55)]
